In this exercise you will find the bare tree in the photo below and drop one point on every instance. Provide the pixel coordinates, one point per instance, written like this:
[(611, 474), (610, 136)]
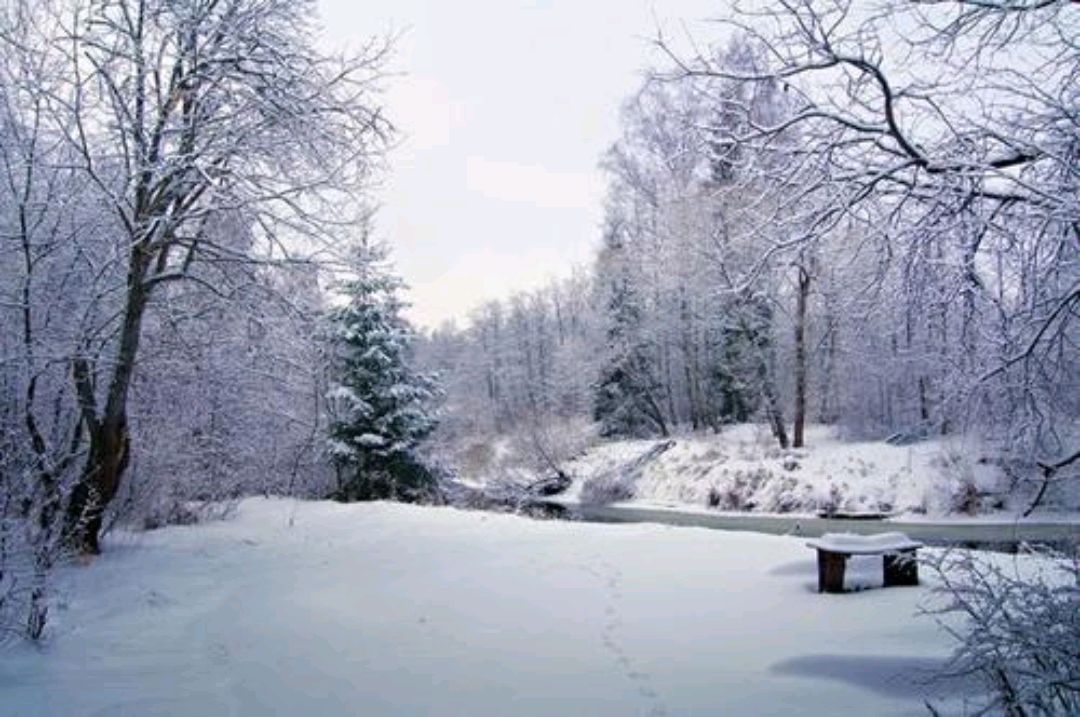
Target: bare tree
[(185, 116), (42, 203), (945, 132)]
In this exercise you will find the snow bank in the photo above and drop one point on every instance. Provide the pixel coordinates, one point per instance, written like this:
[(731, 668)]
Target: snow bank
[(742, 469), (384, 609)]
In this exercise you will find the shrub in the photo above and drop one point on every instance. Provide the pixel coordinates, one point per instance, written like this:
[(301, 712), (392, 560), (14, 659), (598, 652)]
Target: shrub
[(1018, 630), (965, 498), (606, 488)]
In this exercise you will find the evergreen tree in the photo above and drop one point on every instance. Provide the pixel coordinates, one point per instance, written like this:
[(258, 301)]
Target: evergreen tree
[(380, 408), (625, 399)]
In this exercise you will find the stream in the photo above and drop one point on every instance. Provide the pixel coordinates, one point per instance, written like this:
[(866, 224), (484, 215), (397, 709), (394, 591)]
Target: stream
[(1001, 535)]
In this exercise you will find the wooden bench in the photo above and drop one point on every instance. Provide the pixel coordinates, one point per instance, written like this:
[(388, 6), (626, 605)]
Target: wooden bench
[(897, 550)]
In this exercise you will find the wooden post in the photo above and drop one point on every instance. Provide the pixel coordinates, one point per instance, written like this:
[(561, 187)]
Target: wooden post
[(830, 571), (901, 568)]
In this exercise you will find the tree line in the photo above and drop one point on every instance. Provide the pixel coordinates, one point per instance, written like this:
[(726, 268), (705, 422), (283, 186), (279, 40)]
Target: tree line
[(831, 215), (185, 200)]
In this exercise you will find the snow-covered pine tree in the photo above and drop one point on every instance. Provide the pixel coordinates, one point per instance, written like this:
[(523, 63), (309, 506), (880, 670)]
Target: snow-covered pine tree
[(625, 398), (380, 408)]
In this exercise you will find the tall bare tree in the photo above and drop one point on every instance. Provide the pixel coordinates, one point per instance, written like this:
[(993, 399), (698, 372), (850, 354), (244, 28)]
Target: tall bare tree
[(185, 117), (946, 133)]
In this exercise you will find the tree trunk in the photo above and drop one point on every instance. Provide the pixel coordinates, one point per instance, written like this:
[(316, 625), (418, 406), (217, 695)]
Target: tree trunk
[(800, 357), (766, 371), (825, 410), (776, 416), (109, 457), (668, 386), (109, 440)]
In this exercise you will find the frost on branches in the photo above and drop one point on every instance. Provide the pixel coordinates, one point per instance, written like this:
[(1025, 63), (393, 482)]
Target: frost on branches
[(1016, 627), (380, 408)]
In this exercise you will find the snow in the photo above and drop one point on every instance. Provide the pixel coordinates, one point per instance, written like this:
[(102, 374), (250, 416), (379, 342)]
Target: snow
[(386, 609), (742, 469), (863, 544)]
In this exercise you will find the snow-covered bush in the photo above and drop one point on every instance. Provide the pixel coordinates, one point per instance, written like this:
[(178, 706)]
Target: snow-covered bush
[(173, 510), (29, 549), (545, 445), (785, 494), (1017, 629), (966, 485), (24, 582), (831, 501), (611, 487), (526, 456), (476, 458), (30, 518), (738, 489), (964, 498)]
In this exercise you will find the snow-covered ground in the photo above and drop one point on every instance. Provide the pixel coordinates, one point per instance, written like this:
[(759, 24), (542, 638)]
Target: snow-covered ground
[(383, 609), (742, 469)]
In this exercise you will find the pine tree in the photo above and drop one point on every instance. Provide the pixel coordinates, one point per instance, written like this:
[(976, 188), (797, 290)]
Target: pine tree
[(625, 398), (380, 408)]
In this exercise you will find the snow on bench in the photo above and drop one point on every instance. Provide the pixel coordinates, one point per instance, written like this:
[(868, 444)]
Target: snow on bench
[(855, 544), (897, 550)]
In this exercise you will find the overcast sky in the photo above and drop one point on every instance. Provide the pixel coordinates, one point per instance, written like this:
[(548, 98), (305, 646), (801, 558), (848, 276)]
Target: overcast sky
[(505, 108)]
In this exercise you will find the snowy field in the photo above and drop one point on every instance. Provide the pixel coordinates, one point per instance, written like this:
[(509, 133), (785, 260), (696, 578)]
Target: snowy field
[(385, 609)]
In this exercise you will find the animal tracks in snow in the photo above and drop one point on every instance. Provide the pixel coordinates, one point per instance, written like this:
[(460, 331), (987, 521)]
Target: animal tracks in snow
[(611, 635)]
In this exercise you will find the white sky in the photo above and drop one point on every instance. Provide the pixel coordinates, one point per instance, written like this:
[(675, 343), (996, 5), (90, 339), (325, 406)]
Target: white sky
[(505, 108)]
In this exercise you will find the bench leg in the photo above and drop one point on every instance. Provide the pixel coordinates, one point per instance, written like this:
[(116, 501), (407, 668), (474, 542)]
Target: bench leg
[(830, 572), (901, 569)]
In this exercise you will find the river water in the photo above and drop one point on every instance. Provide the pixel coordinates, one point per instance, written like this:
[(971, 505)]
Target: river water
[(995, 534)]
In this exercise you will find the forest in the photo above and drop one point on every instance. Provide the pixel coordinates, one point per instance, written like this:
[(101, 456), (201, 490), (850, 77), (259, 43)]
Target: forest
[(803, 228), (858, 216)]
